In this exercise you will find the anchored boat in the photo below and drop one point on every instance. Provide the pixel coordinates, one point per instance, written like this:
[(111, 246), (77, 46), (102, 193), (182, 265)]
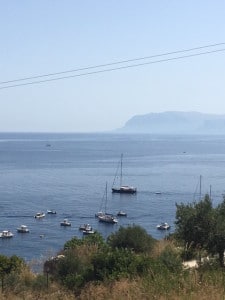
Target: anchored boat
[(163, 226), (104, 216), (23, 229), (6, 234), (123, 189)]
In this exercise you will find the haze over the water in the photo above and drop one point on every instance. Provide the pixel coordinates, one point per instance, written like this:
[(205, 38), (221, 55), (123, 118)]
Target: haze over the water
[(42, 37)]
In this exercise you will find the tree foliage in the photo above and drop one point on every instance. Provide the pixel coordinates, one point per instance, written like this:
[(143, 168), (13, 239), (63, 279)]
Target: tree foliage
[(9, 265), (92, 239), (171, 260), (133, 237), (201, 226), (193, 222), (91, 258), (72, 271), (216, 242)]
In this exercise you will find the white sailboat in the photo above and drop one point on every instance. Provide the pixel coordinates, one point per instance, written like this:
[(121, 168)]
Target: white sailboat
[(104, 216), (125, 189)]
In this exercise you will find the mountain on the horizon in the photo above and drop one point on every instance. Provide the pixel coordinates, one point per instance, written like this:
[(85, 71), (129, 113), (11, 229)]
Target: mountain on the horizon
[(175, 122)]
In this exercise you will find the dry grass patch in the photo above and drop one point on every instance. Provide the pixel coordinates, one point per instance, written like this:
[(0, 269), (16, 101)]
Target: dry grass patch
[(122, 289), (160, 246)]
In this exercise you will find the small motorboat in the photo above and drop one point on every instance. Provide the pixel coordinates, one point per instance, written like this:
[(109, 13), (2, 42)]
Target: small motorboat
[(51, 212), (86, 232), (39, 215), (86, 227), (23, 229), (6, 234), (65, 222), (163, 226), (121, 214)]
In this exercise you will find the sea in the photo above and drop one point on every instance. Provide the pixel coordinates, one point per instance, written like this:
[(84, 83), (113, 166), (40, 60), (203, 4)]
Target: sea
[(69, 172)]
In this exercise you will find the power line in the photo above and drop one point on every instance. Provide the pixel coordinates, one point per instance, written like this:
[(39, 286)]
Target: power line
[(110, 69), (113, 63)]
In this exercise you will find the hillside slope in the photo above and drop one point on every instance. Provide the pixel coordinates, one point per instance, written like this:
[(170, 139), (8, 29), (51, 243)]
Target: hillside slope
[(173, 122)]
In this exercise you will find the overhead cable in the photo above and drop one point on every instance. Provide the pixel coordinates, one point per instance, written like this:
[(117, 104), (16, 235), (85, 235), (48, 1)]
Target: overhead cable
[(110, 69)]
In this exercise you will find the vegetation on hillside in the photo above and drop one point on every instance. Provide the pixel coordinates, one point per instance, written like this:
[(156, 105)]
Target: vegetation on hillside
[(201, 228), (130, 264)]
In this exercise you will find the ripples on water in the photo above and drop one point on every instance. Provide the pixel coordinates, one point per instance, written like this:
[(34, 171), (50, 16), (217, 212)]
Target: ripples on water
[(68, 172)]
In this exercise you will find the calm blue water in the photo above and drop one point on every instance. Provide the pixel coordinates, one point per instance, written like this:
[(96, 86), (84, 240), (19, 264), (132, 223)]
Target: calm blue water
[(70, 176)]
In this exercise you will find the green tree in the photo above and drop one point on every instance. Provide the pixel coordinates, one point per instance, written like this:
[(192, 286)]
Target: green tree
[(216, 243), (119, 263), (171, 259), (91, 239), (194, 223), (200, 226), (74, 242), (133, 237), (8, 265), (70, 269)]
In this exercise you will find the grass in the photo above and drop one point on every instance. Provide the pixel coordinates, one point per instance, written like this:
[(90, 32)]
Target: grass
[(190, 285), (162, 282)]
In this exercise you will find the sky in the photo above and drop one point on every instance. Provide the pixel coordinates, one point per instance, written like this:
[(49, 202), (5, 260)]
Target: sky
[(51, 36)]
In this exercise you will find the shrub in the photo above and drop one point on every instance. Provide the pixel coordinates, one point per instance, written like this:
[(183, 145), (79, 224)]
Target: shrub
[(171, 259), (133, 237)]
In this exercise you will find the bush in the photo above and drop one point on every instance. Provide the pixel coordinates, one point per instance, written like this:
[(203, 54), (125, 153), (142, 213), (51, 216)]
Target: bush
[(133, 237), (92, 239), (39, 283), (171, 259), (110, 264)]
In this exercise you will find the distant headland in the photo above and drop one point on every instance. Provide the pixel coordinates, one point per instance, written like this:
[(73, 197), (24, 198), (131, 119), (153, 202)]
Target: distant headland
[(175, 122)]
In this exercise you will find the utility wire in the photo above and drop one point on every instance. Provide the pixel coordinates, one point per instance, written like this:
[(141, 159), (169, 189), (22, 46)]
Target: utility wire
[(110, 69), (113, 63)]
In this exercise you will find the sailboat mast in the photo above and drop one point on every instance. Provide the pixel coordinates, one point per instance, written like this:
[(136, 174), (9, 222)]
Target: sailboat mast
[(106, 192), (200, 188), (121, 169)]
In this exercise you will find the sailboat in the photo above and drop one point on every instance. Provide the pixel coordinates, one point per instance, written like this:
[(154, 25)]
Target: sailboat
[(125, 189), (104, 216), (198, 191)]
